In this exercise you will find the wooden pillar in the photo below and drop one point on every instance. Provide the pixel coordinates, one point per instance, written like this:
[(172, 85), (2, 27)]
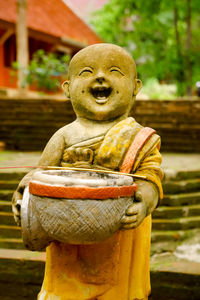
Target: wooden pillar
[(22, 43)]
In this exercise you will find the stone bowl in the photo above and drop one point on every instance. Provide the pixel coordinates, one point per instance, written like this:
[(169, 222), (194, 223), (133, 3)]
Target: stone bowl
[(74, 207)]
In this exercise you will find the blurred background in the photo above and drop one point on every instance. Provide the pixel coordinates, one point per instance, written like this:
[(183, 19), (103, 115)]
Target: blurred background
[(37, 40), (161, 35)]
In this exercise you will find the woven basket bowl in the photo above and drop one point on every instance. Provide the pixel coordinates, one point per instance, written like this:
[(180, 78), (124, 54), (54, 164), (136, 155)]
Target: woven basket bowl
[(76, 207)]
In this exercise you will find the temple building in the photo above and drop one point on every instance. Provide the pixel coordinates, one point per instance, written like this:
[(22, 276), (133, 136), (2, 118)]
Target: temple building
[(52, 26)]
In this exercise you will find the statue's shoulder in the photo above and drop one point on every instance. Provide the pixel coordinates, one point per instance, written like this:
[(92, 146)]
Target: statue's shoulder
[(67, 130), (134, 124), (127, 125), (138, 127), (72, 133)]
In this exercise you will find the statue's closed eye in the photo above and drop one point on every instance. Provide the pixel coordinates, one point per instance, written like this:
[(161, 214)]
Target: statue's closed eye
[(85, 71), (115, 69)]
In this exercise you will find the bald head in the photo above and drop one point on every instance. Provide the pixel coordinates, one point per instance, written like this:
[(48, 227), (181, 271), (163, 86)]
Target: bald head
[(102, 54)]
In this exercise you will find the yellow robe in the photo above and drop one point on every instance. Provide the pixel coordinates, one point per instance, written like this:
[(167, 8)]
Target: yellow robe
[(117, 268)]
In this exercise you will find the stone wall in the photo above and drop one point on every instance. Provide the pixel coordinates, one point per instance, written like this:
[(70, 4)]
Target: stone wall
[(27, 124), (177, 122)]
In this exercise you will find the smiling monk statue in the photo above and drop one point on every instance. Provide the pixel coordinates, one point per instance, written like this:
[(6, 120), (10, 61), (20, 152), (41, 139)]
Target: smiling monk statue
[(102, 85)]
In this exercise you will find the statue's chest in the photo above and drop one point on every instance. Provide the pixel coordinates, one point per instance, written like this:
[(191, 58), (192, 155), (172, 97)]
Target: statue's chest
[(81, 154)]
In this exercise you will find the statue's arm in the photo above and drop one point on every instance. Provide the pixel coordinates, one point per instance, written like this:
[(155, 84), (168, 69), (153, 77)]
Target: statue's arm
[(149, 191), (51, 156)]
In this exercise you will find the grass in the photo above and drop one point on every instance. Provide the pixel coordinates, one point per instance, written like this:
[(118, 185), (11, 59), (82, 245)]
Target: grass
[(6, 155)]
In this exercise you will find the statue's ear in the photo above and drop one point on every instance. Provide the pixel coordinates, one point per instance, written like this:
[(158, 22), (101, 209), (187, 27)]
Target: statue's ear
[(138, 86), (65, 87)]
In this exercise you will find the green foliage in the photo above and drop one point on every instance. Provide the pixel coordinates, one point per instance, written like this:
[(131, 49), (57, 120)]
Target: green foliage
[(45, 70), (154, 90), (156, 33)]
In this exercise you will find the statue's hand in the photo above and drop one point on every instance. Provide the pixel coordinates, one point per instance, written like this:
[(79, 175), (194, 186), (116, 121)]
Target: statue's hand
[(16, 206), (135, 213), (72, 155), (145, 201)]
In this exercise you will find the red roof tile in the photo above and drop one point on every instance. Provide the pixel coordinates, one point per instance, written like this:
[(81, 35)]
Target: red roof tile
[(52, 17)]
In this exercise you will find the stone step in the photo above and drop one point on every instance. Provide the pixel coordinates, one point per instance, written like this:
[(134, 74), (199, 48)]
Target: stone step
[(5, 206), (11, 243), (8, 231), (170, 235), (182, 186), (163, 247), (181, 199), (6, 218), (180, 175), (174, 279), (8, 184), (6, 194), (11, 175), (21, 277), (176, 224), (167, 212), (172, 286)]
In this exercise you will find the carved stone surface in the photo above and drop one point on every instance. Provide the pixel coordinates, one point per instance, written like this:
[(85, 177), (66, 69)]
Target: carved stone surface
[(34, 237)]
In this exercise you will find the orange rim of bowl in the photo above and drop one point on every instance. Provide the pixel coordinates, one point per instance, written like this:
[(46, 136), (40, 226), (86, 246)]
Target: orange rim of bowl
[(73, 192)]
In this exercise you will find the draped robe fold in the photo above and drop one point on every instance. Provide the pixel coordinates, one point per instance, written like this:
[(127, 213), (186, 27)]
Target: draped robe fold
[(117, 268)]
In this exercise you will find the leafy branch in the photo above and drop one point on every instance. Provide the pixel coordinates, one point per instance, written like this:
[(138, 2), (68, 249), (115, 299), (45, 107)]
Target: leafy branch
[(45, 70)]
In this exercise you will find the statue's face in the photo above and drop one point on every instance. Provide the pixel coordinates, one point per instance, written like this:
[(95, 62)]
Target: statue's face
[(101, 84)]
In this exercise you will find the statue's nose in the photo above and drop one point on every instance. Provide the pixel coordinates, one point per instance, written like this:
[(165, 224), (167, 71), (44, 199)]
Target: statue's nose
[(100, 77)]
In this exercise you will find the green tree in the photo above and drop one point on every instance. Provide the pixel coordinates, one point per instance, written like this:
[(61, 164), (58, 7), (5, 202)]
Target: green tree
[(162, 36), (44, 71)]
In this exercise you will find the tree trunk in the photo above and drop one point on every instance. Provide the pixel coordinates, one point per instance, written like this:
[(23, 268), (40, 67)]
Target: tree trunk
[(22, 43), (188, 50), (180, 76)]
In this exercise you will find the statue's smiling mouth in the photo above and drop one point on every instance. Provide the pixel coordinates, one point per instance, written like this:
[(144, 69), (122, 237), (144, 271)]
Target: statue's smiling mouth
[(101, 94)]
